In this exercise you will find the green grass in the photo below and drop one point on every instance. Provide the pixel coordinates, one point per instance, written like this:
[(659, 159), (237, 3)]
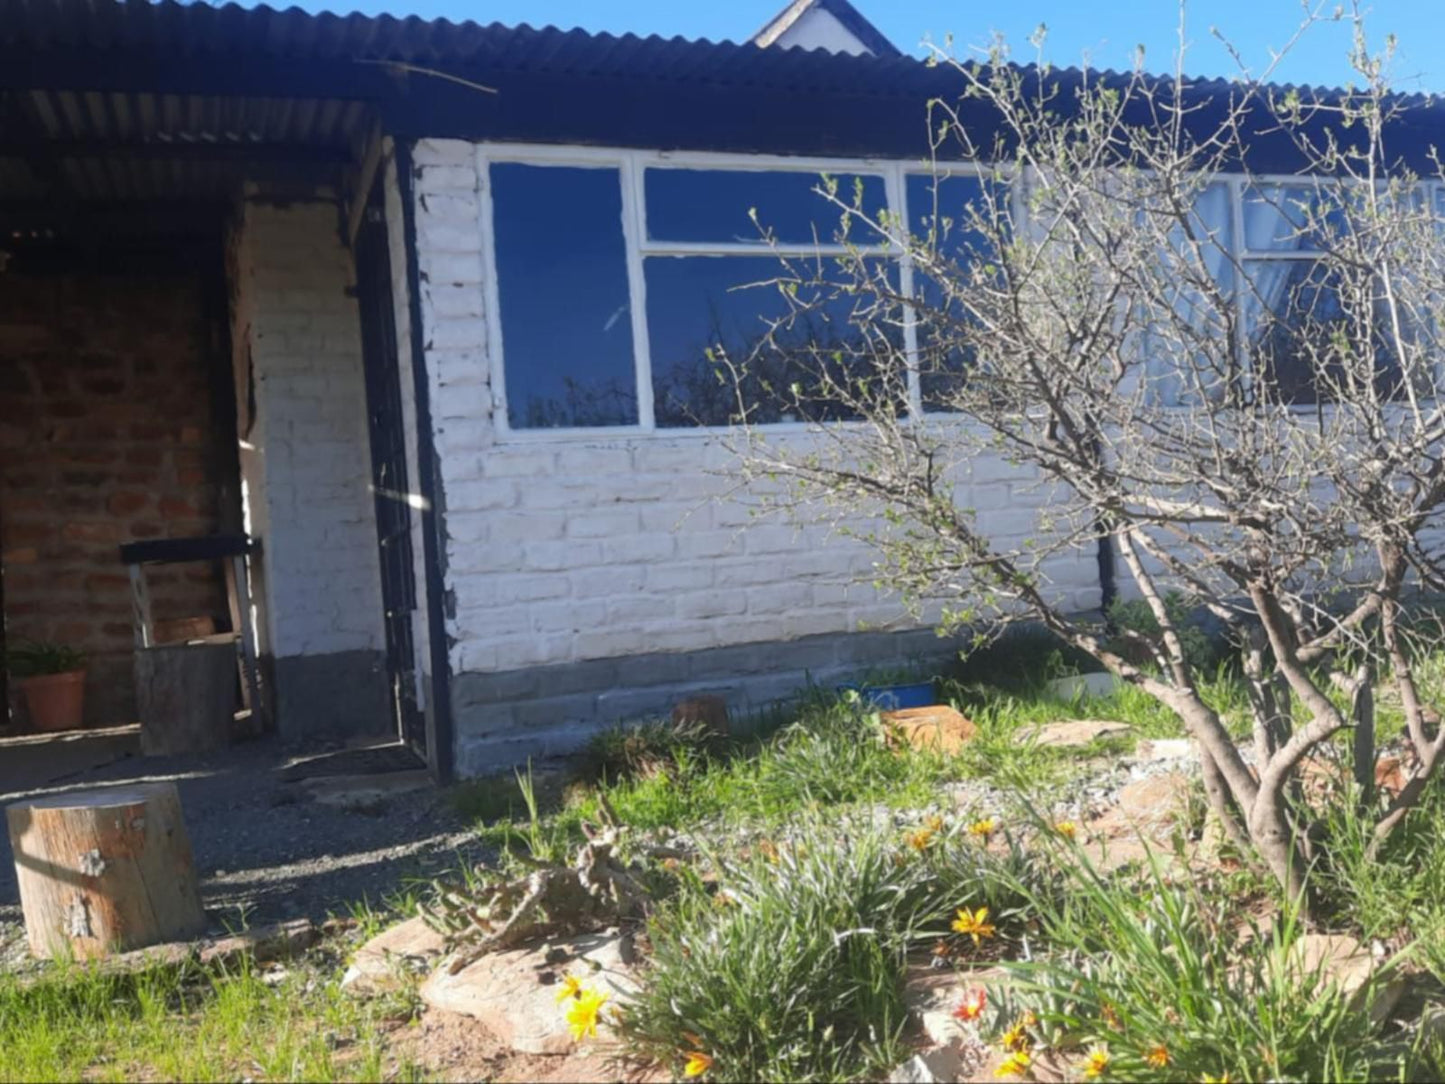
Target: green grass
[(833, 756), (190, 1023), (790, 967), (829, 753), (1175, 962)]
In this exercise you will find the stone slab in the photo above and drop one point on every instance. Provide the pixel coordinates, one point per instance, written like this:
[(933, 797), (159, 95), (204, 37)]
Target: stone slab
[(360, 792), (939, 729), (1074, 733), (393, 958), (513, 994)]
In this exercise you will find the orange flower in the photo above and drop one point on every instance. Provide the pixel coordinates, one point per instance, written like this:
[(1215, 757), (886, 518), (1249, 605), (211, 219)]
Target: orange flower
[(972, 1005), (973, 924), (1067, 829), (1158, 1057), (697, 1064), (919, 840)]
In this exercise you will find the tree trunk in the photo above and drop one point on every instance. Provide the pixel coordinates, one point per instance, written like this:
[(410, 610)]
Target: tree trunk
[(185, 697), (104, 871)]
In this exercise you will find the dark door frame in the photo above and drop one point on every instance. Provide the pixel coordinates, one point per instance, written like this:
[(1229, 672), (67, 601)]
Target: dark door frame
[(390, 487)]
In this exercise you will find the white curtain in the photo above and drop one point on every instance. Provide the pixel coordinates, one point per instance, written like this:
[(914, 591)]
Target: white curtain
[(1213, 228)]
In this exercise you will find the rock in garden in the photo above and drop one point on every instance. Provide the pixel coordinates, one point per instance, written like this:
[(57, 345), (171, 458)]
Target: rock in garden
[(513, 993), (1156, 749), (1341, 959), (364, 792), (938, 729), (711, 712), (1074, 733), (391, 959), (932, 995), (939, 1064)]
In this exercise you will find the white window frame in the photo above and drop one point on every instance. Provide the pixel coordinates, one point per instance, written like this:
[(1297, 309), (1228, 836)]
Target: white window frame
[(631, 165)]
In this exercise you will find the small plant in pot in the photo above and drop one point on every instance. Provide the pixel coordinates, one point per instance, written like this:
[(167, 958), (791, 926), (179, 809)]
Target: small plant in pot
[(52, 677)]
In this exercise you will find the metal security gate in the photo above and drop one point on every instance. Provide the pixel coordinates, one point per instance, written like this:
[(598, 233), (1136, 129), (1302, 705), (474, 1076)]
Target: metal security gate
[(388, 470)]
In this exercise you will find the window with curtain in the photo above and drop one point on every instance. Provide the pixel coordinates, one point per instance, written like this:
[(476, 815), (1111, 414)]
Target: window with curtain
[(1182, 365), (1293, 300)]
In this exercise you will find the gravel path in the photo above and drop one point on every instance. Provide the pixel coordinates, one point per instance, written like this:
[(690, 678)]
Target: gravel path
[(267, 852)]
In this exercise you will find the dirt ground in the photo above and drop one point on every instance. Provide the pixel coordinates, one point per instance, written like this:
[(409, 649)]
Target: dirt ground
[(264, 850), (452, 1047)]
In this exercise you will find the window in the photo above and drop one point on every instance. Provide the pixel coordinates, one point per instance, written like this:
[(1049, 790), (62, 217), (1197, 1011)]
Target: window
[(742, 206), (729, 343), (634, 288), (640, 293), (563, 297), (944, 211), (1291, 299), (1196, 356)]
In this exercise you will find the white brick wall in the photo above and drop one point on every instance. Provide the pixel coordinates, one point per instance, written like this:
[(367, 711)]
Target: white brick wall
[(566, 549), (305, 459)]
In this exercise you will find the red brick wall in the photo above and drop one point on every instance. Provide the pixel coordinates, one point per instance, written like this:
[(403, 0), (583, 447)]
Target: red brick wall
[(107, 435)]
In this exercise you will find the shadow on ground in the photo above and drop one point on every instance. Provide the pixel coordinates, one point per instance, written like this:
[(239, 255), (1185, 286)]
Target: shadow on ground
[(264, 850)]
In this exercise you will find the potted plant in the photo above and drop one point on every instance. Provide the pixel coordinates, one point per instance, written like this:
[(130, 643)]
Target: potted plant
[(52, 677)]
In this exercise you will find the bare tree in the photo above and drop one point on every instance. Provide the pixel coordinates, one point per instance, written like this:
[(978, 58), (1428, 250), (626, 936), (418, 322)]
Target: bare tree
[(1261, 436)]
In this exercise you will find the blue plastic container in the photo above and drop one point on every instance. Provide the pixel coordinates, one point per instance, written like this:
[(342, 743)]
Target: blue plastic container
[(918, 694)]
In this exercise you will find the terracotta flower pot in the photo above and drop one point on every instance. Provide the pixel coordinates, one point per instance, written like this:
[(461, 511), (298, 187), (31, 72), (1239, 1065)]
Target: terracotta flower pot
[(56, 701)]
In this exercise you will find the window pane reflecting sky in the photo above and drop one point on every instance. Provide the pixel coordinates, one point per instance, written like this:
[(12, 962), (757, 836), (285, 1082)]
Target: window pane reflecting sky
[(562, 279)]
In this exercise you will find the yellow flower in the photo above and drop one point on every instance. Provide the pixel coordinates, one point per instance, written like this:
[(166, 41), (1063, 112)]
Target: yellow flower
[(919, 840), (1097, 1063), (983, 829), (697, 1063), (1016, 1064), (1067, 829), (975, 925), (1017, 1037), (1222, 1078), (571, 987), (1158, 1057), (582, 1016)]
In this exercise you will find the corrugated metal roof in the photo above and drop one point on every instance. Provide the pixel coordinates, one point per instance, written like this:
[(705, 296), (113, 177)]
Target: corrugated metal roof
[(193, 29), (565, 86)]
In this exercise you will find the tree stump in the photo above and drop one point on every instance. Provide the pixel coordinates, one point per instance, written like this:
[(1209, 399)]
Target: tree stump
[(185, 696), (104, 871)]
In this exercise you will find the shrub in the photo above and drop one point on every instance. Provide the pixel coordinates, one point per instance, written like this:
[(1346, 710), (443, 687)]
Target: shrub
[(1162, 975), (792, 969)]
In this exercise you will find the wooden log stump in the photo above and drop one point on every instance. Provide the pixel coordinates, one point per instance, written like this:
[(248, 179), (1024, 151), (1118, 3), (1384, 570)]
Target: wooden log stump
[(185, 696), (104, 871)]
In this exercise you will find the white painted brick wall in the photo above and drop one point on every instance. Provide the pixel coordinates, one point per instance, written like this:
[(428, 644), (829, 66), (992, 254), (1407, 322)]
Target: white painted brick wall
[(571, 549), (306, 458)]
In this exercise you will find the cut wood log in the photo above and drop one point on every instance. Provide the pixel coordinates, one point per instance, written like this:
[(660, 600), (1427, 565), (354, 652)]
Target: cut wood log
[(104, 871), (186, 697)]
